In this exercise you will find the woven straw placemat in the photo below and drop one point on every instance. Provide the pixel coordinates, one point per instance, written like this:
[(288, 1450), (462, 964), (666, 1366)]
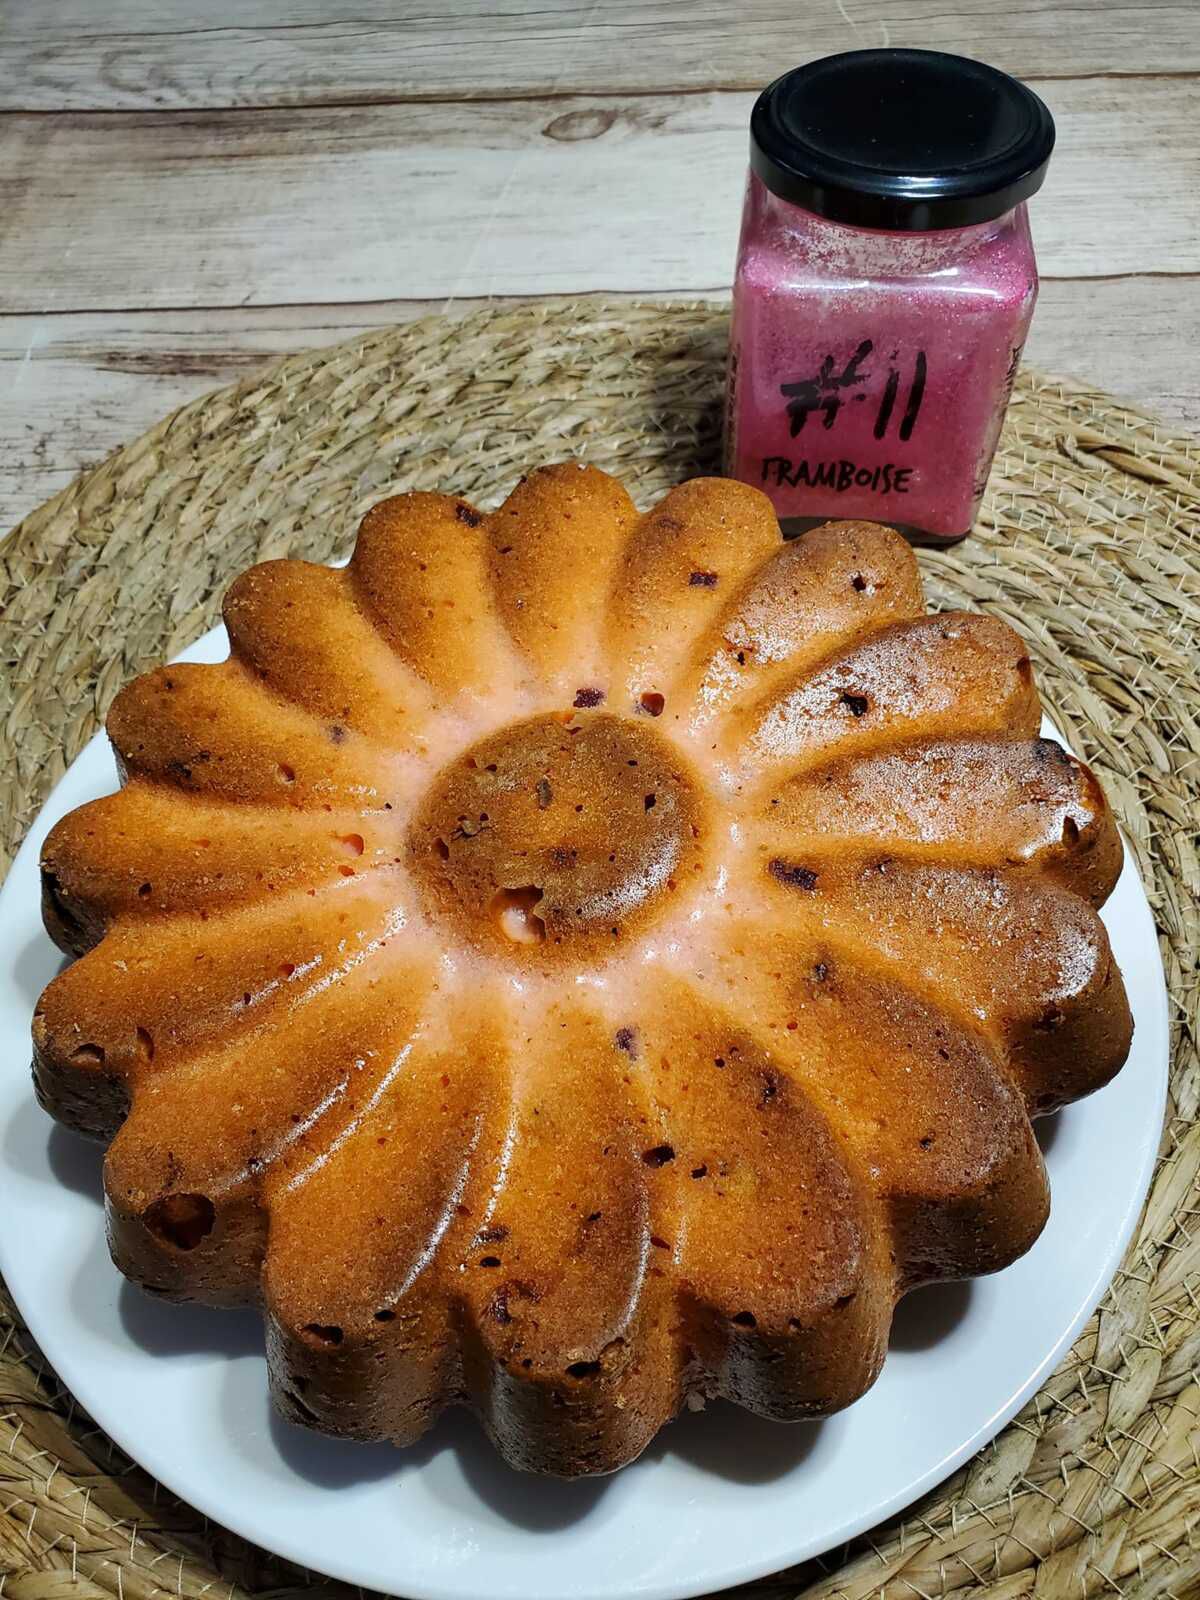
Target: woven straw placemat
[(1088, 544)]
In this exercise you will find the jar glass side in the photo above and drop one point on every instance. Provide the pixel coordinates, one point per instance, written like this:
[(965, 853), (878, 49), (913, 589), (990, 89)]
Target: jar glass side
[(869, 371)]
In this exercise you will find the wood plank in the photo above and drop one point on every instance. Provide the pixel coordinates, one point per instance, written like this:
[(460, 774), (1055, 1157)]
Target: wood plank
[(526, 197), (73, 388), (164, 54)]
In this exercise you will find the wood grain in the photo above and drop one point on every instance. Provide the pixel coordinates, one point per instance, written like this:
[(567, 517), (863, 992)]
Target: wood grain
[(155, 245), (525, 197), (75, 387), (165, 54)]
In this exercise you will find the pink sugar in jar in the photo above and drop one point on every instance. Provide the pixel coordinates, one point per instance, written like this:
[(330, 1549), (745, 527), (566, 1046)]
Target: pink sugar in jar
[(885, 282)]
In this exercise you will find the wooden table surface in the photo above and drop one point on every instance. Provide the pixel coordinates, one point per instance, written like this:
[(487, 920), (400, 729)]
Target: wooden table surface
[(190, 187)]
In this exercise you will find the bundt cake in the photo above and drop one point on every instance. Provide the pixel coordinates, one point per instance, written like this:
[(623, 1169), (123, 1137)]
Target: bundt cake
[(569, 962)]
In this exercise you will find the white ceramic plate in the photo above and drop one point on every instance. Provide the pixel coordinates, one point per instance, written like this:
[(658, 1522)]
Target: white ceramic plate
[(720, 1497)]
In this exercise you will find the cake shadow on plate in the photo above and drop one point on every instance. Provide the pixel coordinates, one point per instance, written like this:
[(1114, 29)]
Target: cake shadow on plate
[(34, 967), (726, 1443)]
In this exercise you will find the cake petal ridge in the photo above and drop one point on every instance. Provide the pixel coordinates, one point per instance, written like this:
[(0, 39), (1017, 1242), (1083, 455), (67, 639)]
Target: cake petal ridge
[(553, 547), (815, 597), (1012, 955), (954, 672), (214, 1124), (301, 631), (150, 850), (215, 730), (992, 800), (681, 564), (421, 574)]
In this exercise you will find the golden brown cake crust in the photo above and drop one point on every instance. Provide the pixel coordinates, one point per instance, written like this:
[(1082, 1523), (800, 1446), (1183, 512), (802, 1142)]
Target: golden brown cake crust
[(570, 961)]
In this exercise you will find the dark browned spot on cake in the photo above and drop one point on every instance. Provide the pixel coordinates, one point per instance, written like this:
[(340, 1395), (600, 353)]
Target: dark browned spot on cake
[(659, 1155), (652, 703), (182, 1220), (1053, 1017), (145, 1045), (583, 1369), (701, 1171), (385, 1314), (585, 699), (337, 734), (285, 773), (626, 1039), (442, 849), (745, 1319), (352, 843), (498, 1307), (489, 1261), (1070, 831), (467, 514), (794, 877), (545, 794), (52, 889), (704, 580), (323, 1333), (1025, 670), (145, 890), (856, 704), (495, 1234), (858, 582), (649, 802)]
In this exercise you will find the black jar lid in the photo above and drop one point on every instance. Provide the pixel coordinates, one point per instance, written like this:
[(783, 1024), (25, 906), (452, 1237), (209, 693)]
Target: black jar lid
[(903, 140)]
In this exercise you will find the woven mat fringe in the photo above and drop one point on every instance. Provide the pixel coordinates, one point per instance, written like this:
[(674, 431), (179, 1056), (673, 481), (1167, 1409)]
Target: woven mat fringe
[(1088, 544)]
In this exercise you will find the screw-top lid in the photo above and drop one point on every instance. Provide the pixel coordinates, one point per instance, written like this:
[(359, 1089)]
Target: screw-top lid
[(905, 140)]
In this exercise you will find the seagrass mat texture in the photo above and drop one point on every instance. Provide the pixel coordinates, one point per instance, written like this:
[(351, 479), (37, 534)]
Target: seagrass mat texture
[(1089, 545)]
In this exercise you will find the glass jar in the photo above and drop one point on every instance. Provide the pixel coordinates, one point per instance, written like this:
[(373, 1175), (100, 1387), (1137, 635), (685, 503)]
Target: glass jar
[(885, 282)]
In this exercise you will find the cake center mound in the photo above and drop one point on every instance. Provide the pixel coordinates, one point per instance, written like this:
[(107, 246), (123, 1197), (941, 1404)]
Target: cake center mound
[(560, 832)]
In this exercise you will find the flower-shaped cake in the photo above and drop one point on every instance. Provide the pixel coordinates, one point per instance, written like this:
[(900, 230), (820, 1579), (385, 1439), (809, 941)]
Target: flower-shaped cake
[(572, 961)]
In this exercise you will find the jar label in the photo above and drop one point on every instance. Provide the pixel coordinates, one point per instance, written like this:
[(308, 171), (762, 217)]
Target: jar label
[(898, 426), (890, 389), (825, 391)]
